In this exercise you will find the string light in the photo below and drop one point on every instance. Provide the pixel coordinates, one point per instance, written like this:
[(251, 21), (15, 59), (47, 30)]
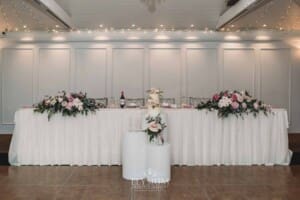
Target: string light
[(18, 11), (287, 19)]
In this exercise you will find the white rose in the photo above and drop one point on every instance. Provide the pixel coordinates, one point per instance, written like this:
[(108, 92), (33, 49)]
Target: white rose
[(255, 105), (48, 101), (240, 98), (64, 103), (60, 99), (53, 101), (77, 103), (153, 112), (244, 105), (224, 102)]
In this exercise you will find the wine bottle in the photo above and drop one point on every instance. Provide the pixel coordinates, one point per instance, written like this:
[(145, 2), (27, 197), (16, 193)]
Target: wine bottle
[(122, 100)]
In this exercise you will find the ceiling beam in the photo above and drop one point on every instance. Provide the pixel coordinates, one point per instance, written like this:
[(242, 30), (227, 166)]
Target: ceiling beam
[(54, 10), (240, 9)]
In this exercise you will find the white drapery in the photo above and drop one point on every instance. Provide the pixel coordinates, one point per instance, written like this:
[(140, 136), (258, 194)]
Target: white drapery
[(196, 138)]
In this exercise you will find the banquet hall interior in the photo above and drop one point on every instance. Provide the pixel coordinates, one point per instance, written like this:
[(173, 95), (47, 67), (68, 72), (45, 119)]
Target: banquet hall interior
[(149, 99)]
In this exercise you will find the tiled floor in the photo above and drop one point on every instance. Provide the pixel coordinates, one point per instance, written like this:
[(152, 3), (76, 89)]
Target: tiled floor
[(97, 183)]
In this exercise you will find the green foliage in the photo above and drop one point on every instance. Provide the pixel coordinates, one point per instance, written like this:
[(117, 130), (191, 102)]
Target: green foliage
[(235, 103), (67, 104)]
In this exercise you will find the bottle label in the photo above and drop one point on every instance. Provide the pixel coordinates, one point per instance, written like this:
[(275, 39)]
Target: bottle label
[(122, 101)]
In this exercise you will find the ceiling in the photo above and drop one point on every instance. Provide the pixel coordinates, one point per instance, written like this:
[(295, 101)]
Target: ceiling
[(275, 14), (23, 16), (19, 15), (179, 14)]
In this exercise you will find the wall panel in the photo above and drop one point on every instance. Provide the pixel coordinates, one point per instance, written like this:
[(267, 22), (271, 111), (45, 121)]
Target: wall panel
[(128, 72), (275, 77), (202, 72), (239, 69), (91, 71), (295, 111), (165, 71), (53, 71), (17, 85), (180, 69)]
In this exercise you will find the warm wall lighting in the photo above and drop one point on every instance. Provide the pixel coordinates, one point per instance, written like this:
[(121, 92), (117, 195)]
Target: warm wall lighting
[(161, 37), (133, 38), (295, 43), (191, 38), (262, 37), (58, 38), (27, 39), (101, 38), (232, 37)]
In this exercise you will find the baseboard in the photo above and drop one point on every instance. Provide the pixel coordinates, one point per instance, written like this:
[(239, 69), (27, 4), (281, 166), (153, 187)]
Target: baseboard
[(4, 159), (5, 142), (6, 129)]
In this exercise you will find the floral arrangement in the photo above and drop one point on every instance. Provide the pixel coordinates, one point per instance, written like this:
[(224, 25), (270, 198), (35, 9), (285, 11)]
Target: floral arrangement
[(154, 96), (68, 104), (235, 103), (155, 124), (155, 127)]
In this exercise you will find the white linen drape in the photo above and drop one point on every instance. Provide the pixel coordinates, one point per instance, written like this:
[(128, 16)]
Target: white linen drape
[(196, 138)]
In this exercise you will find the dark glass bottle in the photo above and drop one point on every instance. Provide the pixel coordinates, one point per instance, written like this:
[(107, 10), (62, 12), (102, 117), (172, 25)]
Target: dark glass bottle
[(122, 100)]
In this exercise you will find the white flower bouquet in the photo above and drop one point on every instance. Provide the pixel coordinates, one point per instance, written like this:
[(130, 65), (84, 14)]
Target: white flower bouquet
[(154, 121)]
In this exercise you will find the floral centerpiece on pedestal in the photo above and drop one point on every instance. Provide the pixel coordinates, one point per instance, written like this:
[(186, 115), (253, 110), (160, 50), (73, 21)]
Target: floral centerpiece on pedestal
[(155, 124), (235, 103), (68, 104)]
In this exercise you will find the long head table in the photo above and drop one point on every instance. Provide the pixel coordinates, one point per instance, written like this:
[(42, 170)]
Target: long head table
[(196, 138)]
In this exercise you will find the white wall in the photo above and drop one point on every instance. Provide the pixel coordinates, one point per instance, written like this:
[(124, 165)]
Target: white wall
[(180, 69)]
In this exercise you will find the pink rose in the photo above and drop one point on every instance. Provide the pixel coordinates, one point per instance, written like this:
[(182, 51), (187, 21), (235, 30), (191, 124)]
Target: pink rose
[(69, 106), (235, 105), (234, 97), (70, 99), (216, 97), (154, 127)]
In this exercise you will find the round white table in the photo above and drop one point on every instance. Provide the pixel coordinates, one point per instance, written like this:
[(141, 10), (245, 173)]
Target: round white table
[(134, 155), (158, 163)]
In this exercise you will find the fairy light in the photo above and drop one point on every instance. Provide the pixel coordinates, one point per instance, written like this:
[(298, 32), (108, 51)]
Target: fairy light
[(58, 38), (22, 10), (161, 37)]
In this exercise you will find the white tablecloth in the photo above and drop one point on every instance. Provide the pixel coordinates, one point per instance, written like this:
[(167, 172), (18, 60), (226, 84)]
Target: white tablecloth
[(196, 137)]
